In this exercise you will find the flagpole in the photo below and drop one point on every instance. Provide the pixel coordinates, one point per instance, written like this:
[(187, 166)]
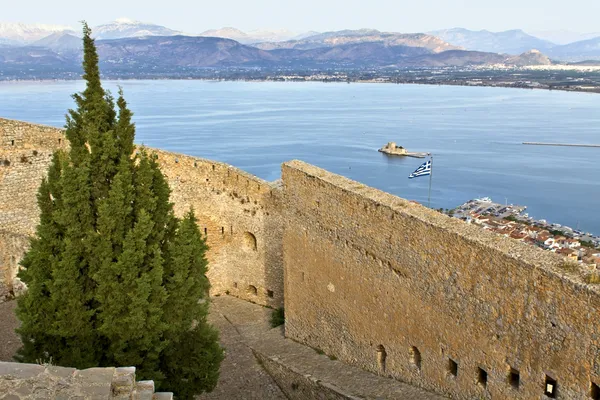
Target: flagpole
[(430, 175)]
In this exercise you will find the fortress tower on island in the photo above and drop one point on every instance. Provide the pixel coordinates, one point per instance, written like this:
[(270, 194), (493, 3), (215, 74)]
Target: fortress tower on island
[(378, 282)]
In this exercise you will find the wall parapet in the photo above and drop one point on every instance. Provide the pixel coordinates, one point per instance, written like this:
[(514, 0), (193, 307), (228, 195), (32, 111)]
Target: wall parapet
[(532, 256), (406, 292)]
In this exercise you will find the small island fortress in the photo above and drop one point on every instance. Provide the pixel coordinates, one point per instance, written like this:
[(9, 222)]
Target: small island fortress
[(393, 149), (371, 279)]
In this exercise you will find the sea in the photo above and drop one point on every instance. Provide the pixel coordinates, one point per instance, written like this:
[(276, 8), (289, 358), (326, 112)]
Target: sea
[(474, 134)]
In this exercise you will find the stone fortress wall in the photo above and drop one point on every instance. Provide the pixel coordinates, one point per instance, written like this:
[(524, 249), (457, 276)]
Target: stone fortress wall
[(239, 213), (377, 281), (410, 293)]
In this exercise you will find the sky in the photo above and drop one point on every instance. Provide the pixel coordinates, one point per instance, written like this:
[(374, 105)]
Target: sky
[(194, 16)]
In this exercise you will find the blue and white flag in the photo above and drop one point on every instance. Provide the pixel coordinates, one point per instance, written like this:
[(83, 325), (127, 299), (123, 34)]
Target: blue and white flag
[(424, 169)]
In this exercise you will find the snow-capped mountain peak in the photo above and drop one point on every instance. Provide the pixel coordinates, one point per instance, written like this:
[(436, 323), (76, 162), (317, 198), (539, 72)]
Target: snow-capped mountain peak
[(125, 27), (18, 33), (126, 21)]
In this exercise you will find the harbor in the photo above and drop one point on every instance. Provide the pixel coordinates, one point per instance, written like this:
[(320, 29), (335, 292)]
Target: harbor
[(394, 150), (510, 220)]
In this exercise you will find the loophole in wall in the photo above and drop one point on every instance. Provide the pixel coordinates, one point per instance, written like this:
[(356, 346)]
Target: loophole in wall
[(415, 357), (482, 377), (514, 378), (594, 391), (452, 367), (550, 387), (249, 242), (381, 356)]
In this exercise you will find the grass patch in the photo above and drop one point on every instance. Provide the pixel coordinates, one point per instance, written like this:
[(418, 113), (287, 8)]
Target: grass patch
[(593, 278), (277, 317), (569, 266), (319, 351), (332, 358)]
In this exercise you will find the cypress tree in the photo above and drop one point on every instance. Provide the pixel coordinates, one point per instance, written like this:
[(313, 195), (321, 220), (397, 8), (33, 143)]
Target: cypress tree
[(191, 361), (114, 278)]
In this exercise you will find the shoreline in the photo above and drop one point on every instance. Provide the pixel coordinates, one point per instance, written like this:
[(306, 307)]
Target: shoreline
[(595, 90)]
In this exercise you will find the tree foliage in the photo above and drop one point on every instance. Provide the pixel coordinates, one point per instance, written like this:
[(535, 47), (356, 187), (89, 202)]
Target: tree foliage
[(114, 278)]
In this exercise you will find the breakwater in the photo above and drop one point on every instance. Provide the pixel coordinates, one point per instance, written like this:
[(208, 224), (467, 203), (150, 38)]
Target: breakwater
[(561, 144)]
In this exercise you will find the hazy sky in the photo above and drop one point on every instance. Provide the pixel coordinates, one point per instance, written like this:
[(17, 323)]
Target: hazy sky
[(319, 15)]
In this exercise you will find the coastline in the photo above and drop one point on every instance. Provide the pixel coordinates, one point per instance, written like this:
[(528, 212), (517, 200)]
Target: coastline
[(594, 90)]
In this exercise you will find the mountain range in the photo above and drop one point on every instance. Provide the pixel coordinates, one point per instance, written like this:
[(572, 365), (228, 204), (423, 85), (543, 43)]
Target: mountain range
[(130, 47), (25, 34), (164, 55), (508, 42), (513, 42), (21, 34), (256, 36)]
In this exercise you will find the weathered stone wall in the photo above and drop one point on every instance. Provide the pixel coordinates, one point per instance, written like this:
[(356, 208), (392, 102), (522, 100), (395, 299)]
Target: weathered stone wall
[(241, 216), (370, 278), (240, 213), (12, 247), (32, 382), (409, 293), (25, 155)]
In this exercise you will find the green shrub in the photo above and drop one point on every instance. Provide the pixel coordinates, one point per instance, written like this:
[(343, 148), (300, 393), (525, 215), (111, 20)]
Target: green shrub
[(277, 317)]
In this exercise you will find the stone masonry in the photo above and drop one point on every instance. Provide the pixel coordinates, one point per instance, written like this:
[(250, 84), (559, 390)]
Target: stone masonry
[(239, 213), (32, 381), (407, 292), (369, 278)]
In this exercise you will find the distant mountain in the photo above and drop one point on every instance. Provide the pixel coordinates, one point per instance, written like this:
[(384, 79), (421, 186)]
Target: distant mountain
[(350, 55), (255, 36), (178, 51), (126, 28), (507, 42), (337, 38), (531, 57), (27, 57), (562, 37), (185, 55), (303, 35), (462, 58), (227, 33), (21, 34), (60, 42), (578, 51)]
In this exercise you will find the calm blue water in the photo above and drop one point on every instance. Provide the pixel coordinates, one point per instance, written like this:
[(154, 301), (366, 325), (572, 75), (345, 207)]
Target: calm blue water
[(475, 135)]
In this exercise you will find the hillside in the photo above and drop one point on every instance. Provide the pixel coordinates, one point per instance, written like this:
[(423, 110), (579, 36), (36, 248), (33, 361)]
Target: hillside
[(462, 58), (60, 42), (346, 37), (578, 51), (178, 51), (507, 42), (351, 55)]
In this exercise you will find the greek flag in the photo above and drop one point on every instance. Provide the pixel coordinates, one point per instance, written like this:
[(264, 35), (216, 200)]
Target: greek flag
[(424, 169)]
